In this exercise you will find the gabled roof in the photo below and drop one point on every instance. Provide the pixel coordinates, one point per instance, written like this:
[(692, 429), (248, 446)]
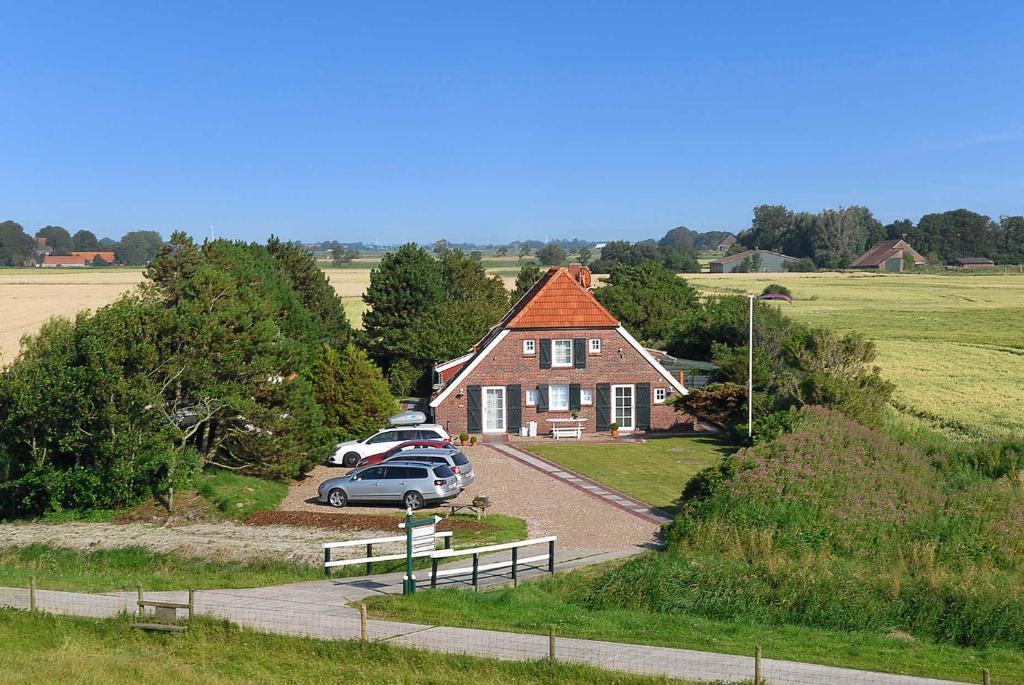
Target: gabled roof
[(749, 253), (886, 250), (974, 260), (558, 300), (91, 255)]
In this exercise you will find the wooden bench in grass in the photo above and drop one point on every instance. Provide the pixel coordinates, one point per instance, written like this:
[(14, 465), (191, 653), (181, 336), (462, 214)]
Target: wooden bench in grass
[(165, 612)]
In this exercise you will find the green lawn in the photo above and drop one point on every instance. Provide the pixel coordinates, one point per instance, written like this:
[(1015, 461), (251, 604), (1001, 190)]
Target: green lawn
[(236, 496), (40, 648), (654, 471), (533, 606)]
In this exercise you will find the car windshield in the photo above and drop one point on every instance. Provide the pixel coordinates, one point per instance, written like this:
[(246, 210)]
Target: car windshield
[(443, 472), (460, 459)]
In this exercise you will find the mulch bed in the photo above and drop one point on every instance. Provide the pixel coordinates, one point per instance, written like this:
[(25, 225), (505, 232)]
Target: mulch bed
[(350, 521)]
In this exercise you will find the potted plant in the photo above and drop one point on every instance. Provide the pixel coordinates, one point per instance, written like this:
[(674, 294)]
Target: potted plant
[(463, 438), (472, 440), (575, 413), (614, 429)]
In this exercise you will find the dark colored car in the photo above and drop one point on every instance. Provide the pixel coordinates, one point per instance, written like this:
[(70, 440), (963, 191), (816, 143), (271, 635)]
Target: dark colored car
[(453, 459), (405, 446)]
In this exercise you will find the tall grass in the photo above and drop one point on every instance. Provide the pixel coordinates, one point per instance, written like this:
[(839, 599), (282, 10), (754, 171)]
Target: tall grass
[(843, 527)]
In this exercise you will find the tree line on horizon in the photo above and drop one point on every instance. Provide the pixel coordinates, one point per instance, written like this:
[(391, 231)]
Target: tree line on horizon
[(18, 248)]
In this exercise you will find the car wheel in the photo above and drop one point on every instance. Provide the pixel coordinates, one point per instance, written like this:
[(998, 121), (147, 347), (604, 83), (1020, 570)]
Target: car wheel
[(337, 498), (413, 500), (350, 460)]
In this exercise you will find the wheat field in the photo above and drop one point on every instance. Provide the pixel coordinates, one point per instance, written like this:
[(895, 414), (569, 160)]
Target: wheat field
[(953, 343)]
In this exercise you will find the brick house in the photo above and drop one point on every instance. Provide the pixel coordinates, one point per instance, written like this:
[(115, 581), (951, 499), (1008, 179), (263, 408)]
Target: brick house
[(556, 351)]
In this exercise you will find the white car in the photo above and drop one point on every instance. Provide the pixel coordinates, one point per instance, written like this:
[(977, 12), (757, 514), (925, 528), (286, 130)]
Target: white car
[(349, 453)]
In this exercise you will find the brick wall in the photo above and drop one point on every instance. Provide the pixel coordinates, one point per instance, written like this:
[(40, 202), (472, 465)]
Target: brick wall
[(618, 363)]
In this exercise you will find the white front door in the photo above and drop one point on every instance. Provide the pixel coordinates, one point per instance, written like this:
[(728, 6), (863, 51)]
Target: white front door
[(494, 410), (623, 409)]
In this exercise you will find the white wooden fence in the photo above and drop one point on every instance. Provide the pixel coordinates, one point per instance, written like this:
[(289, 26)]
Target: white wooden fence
[(424, 542), (441, 555)]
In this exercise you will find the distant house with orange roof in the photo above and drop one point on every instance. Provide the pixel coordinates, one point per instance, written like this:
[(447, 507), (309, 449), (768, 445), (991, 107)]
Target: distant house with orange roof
[(556, 353), (78, 259)]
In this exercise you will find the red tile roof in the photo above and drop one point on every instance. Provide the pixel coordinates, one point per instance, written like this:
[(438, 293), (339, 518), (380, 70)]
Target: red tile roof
[(558, 300), (64, 260), (89, 256)]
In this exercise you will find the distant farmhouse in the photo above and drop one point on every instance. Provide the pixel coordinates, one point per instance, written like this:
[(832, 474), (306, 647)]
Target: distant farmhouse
[(759, 261), (78, 259), (727, 242), (888, 255), (971, 263)]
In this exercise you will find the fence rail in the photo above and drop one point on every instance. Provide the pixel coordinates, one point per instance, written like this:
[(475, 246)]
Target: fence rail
[(437, 557), (369, 559)]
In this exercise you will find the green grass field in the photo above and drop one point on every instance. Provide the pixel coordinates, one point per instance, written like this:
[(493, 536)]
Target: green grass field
[(40, 648), (533, 606), (953, 343), (653, 472)]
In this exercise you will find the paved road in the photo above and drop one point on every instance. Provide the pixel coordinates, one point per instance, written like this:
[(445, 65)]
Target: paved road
[(322, 609)]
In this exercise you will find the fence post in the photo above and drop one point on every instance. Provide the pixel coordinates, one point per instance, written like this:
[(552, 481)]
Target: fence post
[(32, 593), (191, 603), (551, 557), (369, 553), (551, 643), (327, 559), (362, 622), (140, 601), (986, 677), (434, 561), (757, 665), (515, 560), (476, 569)]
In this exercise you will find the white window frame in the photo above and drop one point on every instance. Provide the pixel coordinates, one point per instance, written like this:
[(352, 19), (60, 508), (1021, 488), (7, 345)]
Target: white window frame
[(554, 354), (532, 397), (529, 347), (663, 392), (594, 346), (632, 395), (483, 409), (586, 397), (551, 398)]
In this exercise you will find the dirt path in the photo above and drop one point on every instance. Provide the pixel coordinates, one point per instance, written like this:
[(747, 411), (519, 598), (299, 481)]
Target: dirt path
[(549, 506), (219, 541)]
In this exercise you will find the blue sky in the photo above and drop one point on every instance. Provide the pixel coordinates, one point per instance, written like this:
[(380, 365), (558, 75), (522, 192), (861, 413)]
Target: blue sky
[(493, 122)]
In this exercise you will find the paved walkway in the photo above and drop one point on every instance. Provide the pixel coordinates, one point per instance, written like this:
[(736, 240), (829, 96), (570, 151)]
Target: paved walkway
[(322, 609), (581, 482)]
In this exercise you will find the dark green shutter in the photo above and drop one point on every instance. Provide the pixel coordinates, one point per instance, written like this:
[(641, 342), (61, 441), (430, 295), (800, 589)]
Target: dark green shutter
[(474, 417), (542, 398), (643, 406), (514, 407), (574, 396), (604, 406), (579, 353), (545, 354)]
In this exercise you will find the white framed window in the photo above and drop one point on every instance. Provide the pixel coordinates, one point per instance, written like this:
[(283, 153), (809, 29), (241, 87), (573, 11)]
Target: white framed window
[(586, 396), (532, 396), (659, 395), (558, 397), (561, 353), (595, 346), (529, 347)]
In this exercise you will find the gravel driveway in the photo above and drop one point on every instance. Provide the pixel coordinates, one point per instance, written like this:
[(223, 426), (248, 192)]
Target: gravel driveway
[(550, 507)]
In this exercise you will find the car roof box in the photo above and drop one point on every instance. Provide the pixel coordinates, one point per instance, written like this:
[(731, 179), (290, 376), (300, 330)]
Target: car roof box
[(408, 418)]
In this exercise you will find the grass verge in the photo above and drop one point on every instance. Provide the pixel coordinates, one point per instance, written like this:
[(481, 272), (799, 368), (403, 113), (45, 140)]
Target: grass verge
[(109, 570), (533, 606), (654, 471), (55, 649), (236, 496)]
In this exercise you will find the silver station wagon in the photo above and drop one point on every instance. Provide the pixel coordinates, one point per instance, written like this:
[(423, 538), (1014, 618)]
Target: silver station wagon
[(411, 484), (452, 458)]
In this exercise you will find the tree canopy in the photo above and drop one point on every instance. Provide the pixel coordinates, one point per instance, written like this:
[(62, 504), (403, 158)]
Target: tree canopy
[(552, 254), (16, 246), (138, 248), (646, 298), (86, 241), (57, 239)]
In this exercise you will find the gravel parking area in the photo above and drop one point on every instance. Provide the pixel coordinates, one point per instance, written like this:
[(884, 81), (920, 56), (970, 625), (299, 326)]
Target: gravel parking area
[(549, 506)]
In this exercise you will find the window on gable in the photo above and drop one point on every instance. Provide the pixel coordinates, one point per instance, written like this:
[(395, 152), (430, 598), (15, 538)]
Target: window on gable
[(529, 347), (586, 396), (561, 353), (532, 396), (595, 346), (659, 395), (558, 397)]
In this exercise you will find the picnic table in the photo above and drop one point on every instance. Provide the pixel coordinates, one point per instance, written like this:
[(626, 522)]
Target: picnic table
[(567, 428)]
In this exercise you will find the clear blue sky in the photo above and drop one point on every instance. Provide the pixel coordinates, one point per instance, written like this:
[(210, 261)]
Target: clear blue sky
[(492, 122)]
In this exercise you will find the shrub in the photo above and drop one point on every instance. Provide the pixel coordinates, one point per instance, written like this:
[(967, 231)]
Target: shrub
[(776, 289)]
